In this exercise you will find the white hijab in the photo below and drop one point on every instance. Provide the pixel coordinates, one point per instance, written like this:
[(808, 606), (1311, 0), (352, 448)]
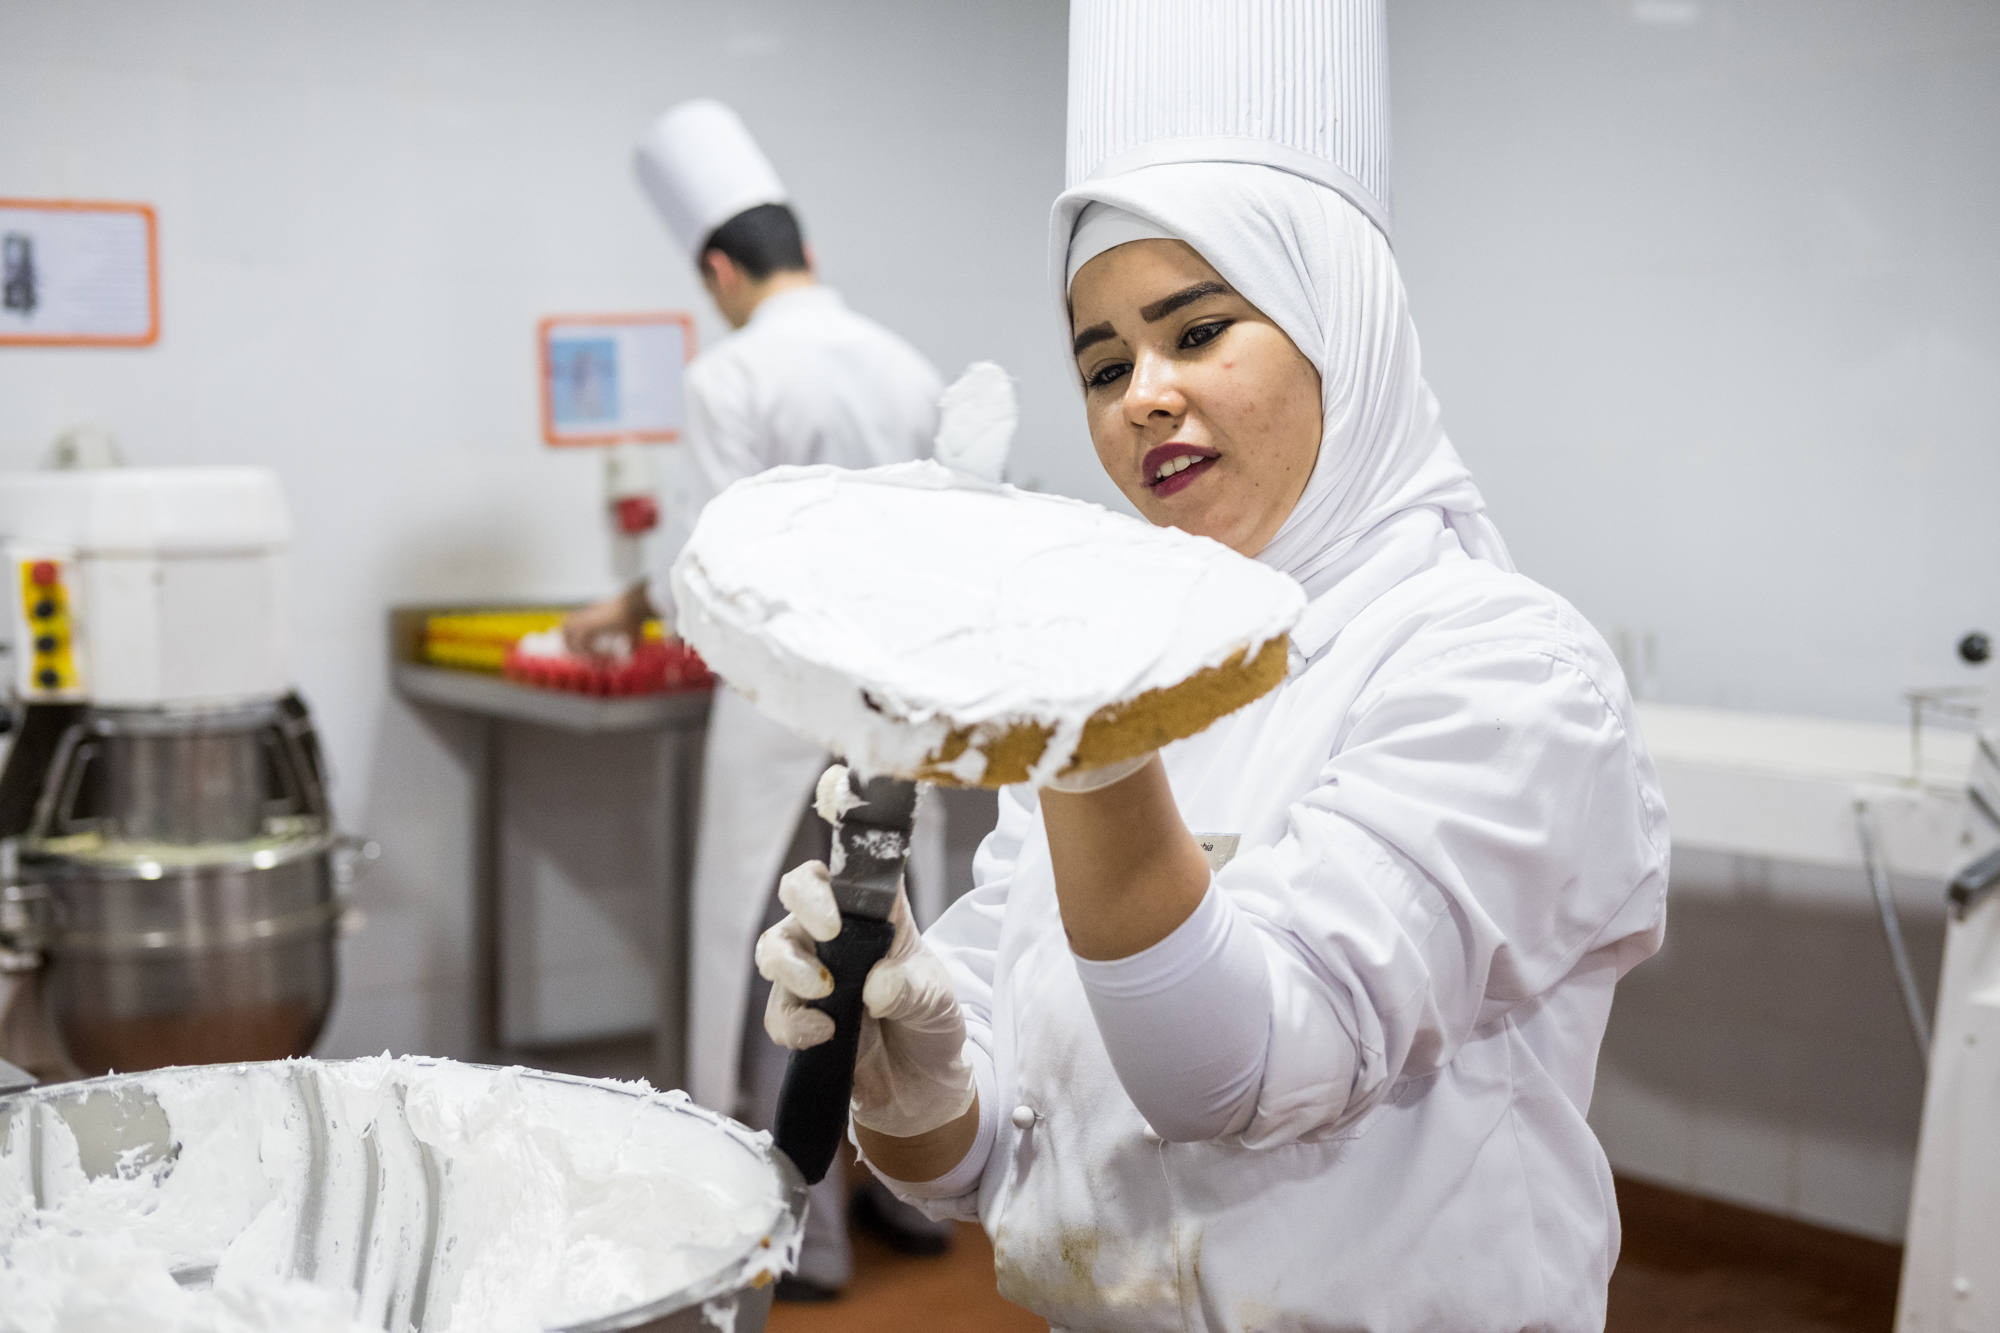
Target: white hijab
[(1321, 270)]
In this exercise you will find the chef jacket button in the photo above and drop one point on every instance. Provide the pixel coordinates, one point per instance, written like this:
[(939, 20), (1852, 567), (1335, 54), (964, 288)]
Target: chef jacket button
[(1151, 1135), (1024, 1117)]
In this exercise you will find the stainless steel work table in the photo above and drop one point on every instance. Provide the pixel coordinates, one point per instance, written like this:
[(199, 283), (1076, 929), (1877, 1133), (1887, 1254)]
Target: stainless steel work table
[(680, 718)]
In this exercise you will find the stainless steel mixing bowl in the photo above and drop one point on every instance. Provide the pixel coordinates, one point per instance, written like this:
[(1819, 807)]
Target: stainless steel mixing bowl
[(193, 885), (161, 959), (118, 1123)]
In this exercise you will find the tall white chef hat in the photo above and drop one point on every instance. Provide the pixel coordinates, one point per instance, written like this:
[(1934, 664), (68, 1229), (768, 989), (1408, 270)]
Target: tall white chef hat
[(702, 168), (1302, 85)]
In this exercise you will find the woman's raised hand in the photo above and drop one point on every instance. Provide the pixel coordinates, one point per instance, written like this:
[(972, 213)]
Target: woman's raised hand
[(910, 1073)]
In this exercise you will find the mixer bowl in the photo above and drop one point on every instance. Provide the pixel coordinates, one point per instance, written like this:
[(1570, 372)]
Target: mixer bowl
[(185, 956), (191, 877), (380, 1209)]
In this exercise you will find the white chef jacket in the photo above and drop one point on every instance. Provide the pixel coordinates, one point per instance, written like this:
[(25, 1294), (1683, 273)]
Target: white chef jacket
[(1452, 844), (805, 381)]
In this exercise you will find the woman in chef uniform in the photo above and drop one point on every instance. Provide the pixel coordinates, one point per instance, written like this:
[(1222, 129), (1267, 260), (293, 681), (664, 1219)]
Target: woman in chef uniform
[(1338, 1078)]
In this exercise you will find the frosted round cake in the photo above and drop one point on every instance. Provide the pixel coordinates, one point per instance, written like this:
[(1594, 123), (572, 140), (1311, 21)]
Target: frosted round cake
[(922, 623)]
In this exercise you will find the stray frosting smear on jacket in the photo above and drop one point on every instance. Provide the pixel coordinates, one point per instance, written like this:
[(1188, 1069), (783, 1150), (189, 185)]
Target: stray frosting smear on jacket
[(877, 611)]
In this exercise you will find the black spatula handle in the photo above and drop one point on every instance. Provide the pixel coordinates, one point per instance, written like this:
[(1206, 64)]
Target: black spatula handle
[(819, 1081)]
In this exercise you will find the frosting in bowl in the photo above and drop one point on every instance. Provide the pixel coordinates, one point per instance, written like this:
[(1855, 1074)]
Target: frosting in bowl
[(372, 1194)]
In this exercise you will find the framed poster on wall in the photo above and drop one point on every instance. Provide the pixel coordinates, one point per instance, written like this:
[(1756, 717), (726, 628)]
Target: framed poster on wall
[(78, 274), (607, 379)]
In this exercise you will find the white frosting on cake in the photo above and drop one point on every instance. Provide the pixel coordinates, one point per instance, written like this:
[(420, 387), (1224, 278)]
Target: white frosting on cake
[(878, 611)]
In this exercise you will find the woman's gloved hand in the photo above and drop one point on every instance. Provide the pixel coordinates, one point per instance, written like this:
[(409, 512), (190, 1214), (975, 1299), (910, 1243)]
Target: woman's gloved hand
[(910, 1072)]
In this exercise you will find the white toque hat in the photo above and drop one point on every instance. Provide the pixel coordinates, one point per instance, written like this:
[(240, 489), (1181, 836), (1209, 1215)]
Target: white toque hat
[(702, 168), (1301, 85)]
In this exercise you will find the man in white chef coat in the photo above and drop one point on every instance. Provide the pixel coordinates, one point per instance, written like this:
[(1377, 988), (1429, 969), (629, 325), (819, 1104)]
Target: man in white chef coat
[(803, 380)]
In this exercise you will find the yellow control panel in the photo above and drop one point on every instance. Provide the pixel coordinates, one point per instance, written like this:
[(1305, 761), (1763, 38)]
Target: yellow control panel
[(51, 645)]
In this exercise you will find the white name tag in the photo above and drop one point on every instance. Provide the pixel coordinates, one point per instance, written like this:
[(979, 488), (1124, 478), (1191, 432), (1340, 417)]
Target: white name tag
[(1219, 848)]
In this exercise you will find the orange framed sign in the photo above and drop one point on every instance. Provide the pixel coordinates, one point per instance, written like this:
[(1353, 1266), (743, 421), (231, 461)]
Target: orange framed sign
[(78, 274), (608, 379)]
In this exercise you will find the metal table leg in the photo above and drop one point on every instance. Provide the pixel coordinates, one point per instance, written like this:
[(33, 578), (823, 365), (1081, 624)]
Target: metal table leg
[(678, 778), (679, 788), (487, 903)]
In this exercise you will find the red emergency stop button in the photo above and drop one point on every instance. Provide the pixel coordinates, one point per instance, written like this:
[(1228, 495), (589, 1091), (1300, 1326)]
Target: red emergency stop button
[(43, 572), (637, 514)]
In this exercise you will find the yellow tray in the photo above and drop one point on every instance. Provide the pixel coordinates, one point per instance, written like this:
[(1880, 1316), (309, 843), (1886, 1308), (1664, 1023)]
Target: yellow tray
[(479, 640)]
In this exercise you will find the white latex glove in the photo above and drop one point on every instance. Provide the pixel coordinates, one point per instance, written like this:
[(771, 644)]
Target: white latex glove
[(910, 1073)]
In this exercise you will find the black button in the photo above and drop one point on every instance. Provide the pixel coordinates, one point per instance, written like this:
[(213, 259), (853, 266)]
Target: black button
[(45, 643), (1975, 647), (47, 678), (44, 609)]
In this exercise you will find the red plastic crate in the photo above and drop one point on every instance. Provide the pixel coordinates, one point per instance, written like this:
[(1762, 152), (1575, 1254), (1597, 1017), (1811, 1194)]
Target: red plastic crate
[(653, 668)]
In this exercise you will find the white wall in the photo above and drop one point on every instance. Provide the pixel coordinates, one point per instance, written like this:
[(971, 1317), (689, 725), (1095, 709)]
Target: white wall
[(1763, 1056), (1710, 292), (364, 208)]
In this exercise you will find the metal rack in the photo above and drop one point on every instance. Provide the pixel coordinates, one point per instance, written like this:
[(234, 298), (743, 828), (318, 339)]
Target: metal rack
[(680, 718)]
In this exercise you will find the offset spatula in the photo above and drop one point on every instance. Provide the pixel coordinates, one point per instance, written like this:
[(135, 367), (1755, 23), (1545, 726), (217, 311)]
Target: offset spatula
[(871, 843)]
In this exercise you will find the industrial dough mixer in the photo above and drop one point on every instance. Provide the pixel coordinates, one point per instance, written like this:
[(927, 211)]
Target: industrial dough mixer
[(172, 872)]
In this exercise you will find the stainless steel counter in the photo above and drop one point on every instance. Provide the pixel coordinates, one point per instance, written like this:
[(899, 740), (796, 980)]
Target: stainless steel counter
[(494, 697), (681, 721)]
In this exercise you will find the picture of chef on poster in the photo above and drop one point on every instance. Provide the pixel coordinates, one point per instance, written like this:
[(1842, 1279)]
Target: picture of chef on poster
[(17, 272)]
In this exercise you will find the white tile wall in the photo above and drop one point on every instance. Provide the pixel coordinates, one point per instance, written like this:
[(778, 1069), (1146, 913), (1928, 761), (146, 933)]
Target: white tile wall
[(582, 877), (1713, 310), (405, 978), (1647, 1131), (1763, 1055), (1853, 1184)]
